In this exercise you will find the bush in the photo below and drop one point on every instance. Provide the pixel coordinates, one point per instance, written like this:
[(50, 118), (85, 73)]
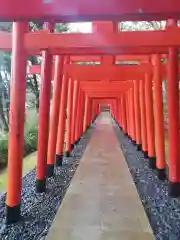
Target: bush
[(31, 135), (3, 150), (30, 141)]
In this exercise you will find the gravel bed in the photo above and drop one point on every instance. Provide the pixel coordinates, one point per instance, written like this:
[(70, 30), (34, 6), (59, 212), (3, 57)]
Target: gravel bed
[(163, 211), (38, 210)]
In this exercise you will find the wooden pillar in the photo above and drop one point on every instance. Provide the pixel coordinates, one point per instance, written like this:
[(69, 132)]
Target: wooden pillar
[(127, 113), (44, 112), (43, 132), (82, 114), (137, 114), (54, 115), (89, 111), (143, 119), (62, 118), (150, 121), (78, 117), (159, 119), (86, 113), (133, 114), (69, 118), (173, 122), (93, 110), (121, 112), (116, 109), (74, 114), (131, 100), (16, 126), (124, 113)]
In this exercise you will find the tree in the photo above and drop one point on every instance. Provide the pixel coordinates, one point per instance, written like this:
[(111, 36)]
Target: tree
[(33, 80), (5, 72), (142, 26)]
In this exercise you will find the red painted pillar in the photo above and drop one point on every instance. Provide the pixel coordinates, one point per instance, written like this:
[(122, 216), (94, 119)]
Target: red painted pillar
[(74, 112), (133, 114), (69, 118), (43, 132), (89, 111), (62, 118), (131, 100), (124, 113), (93, 110), (137, 114), (127, 113), (85, 124), (150, 121), (16, 126), (78, 117), (54, 115), (159, 119), (116, 109), (44, 112), (173, 122), (143, 119), (120, 113), (96, 107), (129, 117), (82, 114)]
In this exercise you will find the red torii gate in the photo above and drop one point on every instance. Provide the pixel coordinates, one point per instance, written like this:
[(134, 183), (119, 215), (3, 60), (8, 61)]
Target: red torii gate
[(76, 10), (167, 41)]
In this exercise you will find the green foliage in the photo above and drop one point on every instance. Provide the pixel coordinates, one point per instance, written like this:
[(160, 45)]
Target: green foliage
[(141, 25), (3, 149), (30, 136), (62, 27), (30, 139)]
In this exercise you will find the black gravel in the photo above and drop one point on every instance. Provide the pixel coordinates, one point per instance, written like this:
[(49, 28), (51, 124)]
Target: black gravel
[(163, 211), (38, 210)]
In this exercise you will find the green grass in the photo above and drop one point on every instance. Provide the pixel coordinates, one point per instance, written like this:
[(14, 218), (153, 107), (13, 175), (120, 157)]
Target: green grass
[(29, 163)]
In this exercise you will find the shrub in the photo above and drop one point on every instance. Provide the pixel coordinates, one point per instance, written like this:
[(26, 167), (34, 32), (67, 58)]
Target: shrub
[(3, 149), (30, 136), (30, 141)]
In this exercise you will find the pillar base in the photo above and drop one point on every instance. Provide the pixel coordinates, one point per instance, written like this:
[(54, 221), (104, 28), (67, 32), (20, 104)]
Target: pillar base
[(134, 142), (59, 160), (174, 189), (67, 154), (139, 147), (152, 162), (77, 141), (13, 214), (161, 174), (145, 154), (50, 170), (41, 186)]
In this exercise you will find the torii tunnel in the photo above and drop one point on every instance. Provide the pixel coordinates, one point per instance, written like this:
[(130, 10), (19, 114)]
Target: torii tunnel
[(133, 93)]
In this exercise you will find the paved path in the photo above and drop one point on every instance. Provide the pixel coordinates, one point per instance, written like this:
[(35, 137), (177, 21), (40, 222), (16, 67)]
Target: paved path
[(102, 202)]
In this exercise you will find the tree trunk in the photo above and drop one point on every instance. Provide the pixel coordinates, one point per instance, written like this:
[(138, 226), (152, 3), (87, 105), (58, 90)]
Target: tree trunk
[(36, 91)]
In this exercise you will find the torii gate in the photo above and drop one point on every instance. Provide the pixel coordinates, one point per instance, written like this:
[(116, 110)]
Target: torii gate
[(155, 42)]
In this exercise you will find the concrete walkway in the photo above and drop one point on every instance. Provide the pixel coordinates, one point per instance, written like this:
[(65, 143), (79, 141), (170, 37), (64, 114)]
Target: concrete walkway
[(102, 202)]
